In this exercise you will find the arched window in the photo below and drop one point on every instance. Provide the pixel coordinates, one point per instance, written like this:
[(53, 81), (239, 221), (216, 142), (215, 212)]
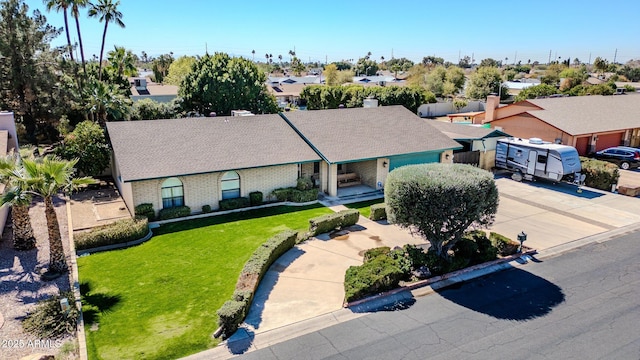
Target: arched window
[(230, 185), (172, 193)]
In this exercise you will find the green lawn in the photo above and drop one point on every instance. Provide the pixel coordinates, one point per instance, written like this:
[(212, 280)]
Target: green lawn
[(158, 300), (364, 206)]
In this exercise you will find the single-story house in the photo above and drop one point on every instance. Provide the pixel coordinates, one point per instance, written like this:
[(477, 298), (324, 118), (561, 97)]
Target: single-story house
[(589, 123), (478, 142), (200, 161), (142, 88)]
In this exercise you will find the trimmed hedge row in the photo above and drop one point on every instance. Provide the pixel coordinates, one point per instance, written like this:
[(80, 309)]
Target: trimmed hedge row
[(599, 174), (503, 244), (174, 212), (233, 311), (378, 212), (119, 232), (294, 195), (235, 203), (330, 222), (377, 275)]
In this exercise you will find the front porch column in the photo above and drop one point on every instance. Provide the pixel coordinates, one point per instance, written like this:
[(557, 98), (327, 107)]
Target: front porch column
[(446, 157), (332, 180), (382, 170)]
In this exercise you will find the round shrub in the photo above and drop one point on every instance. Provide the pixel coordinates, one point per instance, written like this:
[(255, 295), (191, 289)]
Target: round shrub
[(441, 201)]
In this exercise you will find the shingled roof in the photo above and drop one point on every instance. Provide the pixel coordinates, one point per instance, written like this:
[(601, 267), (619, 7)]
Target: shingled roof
[(151, 149), (343, 135), (577, 115)]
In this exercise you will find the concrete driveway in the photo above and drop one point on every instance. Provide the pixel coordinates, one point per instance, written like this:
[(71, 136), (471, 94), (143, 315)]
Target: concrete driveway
[(308, 280)]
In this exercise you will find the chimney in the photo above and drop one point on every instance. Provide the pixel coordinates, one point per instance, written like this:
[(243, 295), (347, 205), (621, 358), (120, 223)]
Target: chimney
[(493, 101)]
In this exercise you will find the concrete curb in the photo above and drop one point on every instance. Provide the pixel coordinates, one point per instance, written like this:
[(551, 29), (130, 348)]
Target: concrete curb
[(82, 341)]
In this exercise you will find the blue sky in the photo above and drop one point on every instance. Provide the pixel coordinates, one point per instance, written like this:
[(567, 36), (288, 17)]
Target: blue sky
[(348, 29)]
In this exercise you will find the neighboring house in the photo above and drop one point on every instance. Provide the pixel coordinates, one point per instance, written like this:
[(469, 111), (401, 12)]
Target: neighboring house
[(516, 86), (478, 142), (142, 88), (378, 80), (447, 108), (200, 161), (589, 123), (8, 143), (287, 89)]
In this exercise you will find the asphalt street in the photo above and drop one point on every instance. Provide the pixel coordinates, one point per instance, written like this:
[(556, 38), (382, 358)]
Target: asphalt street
[(583, 304)]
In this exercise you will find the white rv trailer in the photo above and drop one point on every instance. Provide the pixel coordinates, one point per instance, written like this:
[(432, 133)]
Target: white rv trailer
[(536, 158)]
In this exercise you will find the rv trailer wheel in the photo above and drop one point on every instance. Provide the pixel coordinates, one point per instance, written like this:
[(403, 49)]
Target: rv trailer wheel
[(517, 176), (624, 165)]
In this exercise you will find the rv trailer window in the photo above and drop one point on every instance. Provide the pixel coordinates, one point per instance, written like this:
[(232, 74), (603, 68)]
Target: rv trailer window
[(542, 158)]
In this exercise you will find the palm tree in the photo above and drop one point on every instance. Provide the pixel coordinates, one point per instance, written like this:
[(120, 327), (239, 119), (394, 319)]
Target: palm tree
[(104, 100), (253, 55), (122, 61), (75, 13), (62, 5), (107, 11), (19, 199), (49, 176)]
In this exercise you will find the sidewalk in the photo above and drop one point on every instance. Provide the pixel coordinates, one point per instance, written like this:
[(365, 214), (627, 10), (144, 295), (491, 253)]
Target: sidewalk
[(303, 291)]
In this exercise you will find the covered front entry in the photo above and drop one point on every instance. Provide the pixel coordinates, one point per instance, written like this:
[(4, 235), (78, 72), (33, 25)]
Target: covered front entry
[(354, 178)]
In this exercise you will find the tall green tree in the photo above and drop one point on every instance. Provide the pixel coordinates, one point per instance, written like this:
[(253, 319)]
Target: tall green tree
[(366, 67), (106, 11), (600, 65), (76, 5), (439, 202), (32, 79), (160, 66), (105, 102), (179, 69), (18, 197), (87, 143), (122, 61), (48, 177), (62, 5), (484, 81), (220, 83)]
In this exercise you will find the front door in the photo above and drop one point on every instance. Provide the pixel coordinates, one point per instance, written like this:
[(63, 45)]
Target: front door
[(531, 164)]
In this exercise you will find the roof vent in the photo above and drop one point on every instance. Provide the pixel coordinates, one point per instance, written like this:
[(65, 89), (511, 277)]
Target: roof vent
[(537, 141)]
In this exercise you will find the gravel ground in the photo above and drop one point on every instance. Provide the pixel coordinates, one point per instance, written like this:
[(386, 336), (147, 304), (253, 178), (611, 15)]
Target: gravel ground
[(21, 287)]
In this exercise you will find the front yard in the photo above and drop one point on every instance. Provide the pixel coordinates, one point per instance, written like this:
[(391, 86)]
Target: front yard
[(159, 300)]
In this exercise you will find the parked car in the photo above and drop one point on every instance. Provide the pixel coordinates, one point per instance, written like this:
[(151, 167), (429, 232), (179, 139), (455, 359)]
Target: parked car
[(623, 156)]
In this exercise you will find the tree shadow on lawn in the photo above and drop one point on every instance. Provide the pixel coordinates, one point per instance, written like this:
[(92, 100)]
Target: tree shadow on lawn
[(226, 218), (94, 304), (510, 295)]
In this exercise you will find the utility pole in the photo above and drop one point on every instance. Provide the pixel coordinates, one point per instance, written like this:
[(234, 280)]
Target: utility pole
[(615, 56), (514, 58), (589, 63), (549, 62)]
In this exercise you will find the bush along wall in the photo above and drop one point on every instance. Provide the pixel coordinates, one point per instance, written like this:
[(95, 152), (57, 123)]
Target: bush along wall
[(255, 198), (233, 311), (294, 195), (174, 212), (145, 209), (330, 222), (235, 203)]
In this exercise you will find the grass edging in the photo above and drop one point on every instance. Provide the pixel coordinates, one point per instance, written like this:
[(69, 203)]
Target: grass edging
[(115, 246), (435, 279)]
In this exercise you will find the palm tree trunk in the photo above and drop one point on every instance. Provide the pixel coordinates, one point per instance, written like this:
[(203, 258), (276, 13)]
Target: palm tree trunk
[(104, 36), (23, 238), (84, 67), (57, 260), (66, 28)]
